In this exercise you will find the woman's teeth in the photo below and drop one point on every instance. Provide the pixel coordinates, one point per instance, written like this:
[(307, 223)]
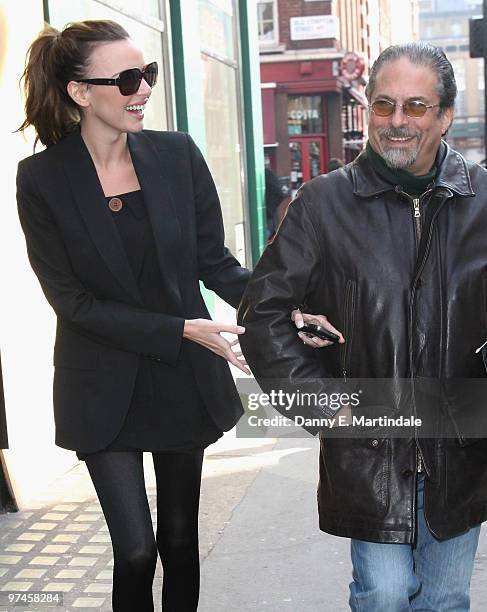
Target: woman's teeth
[(135, 107)]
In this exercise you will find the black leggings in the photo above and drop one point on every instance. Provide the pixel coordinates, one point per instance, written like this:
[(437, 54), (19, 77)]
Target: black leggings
[(118, 478)]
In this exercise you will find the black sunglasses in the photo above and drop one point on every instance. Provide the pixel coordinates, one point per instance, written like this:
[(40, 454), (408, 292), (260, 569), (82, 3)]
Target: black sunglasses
[(414, 108), (128, 81)]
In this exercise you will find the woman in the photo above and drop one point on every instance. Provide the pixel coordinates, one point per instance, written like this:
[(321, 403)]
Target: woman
[(120, 226)]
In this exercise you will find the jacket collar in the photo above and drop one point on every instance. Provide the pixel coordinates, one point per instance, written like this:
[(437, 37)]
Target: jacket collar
[(90, 199), (452, 174)]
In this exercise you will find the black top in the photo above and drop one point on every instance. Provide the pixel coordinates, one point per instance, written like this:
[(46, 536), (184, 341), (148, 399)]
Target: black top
[(166, 412)]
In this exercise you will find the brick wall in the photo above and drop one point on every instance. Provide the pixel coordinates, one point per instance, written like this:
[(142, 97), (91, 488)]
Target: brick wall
[(300, 8)]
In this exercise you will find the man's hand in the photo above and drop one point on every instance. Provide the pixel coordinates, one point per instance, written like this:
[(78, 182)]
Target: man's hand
[(208, 334), (300, 318)]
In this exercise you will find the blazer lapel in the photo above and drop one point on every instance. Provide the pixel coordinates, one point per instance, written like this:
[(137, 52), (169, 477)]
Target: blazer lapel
[(161, 209), (89, 196)]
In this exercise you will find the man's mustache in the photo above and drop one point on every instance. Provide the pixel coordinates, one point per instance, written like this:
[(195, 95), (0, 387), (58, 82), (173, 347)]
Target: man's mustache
[(398, 133)]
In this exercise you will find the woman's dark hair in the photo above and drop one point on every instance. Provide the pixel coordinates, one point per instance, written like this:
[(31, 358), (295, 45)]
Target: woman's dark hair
[(421, 54), (54, 59)]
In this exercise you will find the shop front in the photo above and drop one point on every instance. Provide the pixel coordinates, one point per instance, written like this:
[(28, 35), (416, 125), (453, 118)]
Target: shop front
[(302, 114), (308, 145)]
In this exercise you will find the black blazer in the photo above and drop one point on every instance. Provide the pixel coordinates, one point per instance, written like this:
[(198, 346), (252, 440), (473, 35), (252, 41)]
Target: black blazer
[(78, 257)]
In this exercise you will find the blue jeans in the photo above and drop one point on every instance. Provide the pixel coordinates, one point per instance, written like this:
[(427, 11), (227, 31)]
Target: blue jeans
[(431, 576)]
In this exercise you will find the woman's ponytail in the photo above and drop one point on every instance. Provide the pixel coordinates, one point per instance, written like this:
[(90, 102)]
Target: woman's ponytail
[(53, 59)]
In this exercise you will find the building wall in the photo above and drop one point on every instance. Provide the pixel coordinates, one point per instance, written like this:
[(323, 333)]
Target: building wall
[(353, 16), (301, 8), (445, 24), (302, 68)]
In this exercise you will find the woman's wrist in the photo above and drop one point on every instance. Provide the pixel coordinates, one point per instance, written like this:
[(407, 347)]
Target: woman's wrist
[(188, 326)]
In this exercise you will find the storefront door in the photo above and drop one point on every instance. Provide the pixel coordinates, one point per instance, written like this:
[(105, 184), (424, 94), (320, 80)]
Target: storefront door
[(307, 160)]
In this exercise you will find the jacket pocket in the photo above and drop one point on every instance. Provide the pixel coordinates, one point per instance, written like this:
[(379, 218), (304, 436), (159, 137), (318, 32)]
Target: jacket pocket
[(355, 477), (348, 322)]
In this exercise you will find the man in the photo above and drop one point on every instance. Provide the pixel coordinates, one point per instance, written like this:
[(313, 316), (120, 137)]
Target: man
[(393, 248)]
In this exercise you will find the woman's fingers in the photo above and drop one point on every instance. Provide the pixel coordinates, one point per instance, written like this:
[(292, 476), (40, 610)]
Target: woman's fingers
[(233, 357), (241, 365), (231, 329), (209, 334)]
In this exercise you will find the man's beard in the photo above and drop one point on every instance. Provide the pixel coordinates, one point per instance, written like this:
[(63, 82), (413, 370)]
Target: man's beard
[(398, 157)]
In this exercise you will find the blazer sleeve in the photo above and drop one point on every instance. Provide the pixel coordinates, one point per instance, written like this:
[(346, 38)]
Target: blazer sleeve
[(218, 268), (109, 322)]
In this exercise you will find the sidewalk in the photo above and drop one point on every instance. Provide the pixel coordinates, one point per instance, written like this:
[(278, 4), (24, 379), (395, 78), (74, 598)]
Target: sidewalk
[(272, 556), (260, 544)]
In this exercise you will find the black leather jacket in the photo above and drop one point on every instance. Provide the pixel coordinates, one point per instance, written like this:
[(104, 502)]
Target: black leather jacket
[(409, 294)]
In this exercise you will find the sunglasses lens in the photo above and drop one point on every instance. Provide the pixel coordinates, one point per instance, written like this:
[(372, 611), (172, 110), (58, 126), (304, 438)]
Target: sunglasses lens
[(129, 81), (383, 108), (415, 108), (150, 74)]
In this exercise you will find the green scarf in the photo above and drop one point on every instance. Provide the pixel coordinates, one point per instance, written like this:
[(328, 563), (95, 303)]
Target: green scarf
[(410, 183)]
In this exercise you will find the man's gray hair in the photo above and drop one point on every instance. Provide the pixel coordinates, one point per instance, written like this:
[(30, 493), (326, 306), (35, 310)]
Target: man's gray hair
[(420, 54)]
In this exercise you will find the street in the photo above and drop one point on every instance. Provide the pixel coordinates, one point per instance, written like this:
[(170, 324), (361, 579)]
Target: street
[(261, 548)]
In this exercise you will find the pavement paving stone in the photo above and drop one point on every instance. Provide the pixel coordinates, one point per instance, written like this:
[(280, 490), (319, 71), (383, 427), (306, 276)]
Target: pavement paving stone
[(49, 557)]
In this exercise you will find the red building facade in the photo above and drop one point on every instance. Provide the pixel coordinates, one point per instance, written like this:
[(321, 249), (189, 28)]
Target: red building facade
[(311, 111)]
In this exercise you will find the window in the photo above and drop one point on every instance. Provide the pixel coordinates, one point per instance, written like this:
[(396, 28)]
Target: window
[(458, 65), (304, 115), (480, 86), (456, 29), (222, 113), (267, 22)]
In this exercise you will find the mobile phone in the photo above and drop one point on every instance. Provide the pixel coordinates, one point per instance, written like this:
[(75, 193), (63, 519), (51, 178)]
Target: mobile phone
[(316, 330)]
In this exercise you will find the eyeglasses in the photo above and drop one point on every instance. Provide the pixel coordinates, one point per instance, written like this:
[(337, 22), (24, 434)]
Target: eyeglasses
[(414, 108), (128, 81)]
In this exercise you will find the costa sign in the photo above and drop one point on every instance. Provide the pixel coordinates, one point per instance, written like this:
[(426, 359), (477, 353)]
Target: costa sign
[(352, 66)]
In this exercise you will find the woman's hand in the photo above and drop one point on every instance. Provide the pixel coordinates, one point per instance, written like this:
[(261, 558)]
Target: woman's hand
[(300, 318), (208, 334)]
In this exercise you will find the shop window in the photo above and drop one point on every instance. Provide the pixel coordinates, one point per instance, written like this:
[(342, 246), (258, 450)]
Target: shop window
[(223, 114), (267, 23), (304, 115)]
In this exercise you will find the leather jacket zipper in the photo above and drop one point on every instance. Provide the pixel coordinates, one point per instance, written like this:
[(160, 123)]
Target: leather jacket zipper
[(417, 226), (349, 311), (417, 220), (419, 460)]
